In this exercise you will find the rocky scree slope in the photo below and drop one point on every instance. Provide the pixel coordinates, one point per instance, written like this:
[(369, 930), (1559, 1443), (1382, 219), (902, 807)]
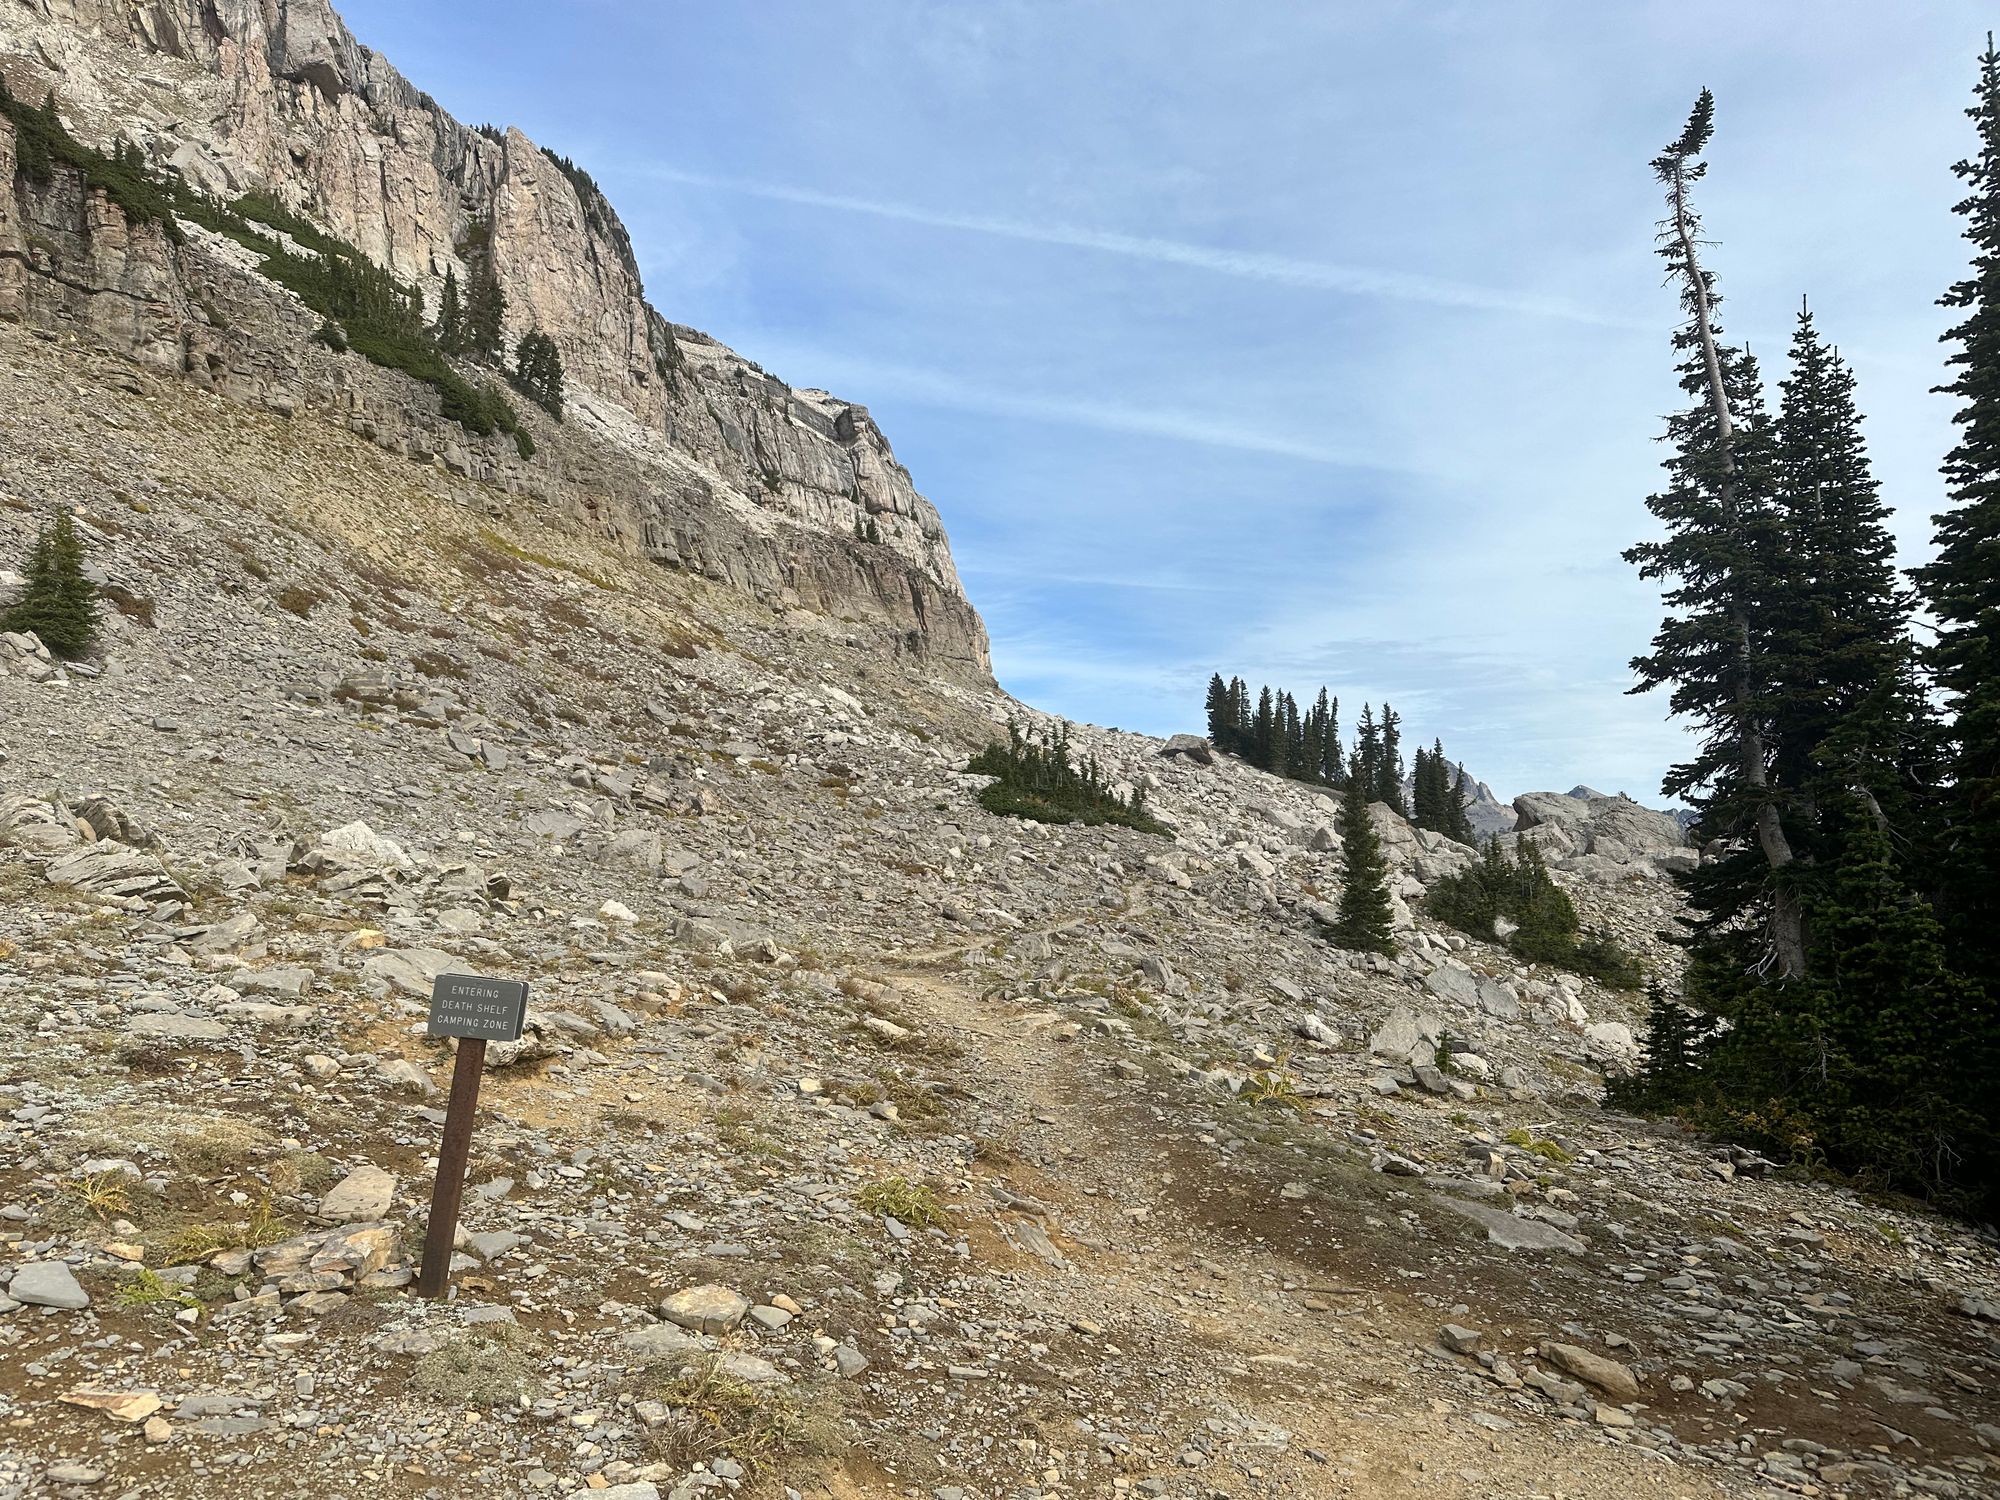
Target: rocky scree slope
[(861, 1143), (674, 446)]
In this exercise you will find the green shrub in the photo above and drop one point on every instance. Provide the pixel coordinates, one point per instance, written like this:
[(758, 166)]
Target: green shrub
[(57, 603), (1545, 926), (1037, 780)]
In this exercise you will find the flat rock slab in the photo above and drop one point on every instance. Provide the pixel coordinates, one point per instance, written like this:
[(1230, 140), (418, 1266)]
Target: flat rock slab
[(47, 1283), (1609, 1376), (1510, 1233), (411, 970), (661, 1341), (173, 1026), (121, 1406), (363, 1194), (706, 1309)]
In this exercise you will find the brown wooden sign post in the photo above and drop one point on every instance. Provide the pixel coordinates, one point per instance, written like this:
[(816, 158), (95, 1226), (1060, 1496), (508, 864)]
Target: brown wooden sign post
[(476, 1011)]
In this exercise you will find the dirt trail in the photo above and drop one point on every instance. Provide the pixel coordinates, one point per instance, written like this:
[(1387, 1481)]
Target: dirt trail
[(1326, 1345)]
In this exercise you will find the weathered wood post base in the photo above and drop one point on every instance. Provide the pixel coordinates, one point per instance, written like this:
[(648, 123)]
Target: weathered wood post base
[(452, 1155)]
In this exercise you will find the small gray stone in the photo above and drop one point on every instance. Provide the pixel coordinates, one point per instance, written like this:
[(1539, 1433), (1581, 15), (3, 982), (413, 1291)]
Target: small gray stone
[(1459, 1339)]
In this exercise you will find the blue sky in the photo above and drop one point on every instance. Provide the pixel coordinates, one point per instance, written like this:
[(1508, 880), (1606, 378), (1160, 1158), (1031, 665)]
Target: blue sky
[(1319, 343)]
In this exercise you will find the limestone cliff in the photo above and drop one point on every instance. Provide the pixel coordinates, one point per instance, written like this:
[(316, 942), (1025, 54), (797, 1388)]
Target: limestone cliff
[(675, 442)]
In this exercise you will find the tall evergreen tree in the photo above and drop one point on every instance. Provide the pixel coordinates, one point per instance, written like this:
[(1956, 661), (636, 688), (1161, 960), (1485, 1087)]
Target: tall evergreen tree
[(1722, 555), (58, 604), (1847, 710), (1332, 760), (1432, 797), (485, 301), (538, 371), (1364, 918), (1962, 586), (1264, 731), (451, 316), (1461, 819), (1221, 721), (1367, 759), (1389, 773)]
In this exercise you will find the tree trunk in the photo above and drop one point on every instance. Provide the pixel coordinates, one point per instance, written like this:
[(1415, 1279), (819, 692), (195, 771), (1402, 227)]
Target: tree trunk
[(1787, 921)]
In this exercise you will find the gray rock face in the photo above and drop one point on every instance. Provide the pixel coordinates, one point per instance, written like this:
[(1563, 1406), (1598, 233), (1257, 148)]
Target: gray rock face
[(47, 1283), (712, 466), (1613, 832)]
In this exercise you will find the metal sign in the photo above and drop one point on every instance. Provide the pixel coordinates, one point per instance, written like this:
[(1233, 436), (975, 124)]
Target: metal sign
[(467, 1005), (476, 1010)]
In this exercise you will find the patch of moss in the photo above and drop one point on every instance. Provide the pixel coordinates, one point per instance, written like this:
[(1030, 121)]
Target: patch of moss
[(493, 1364)]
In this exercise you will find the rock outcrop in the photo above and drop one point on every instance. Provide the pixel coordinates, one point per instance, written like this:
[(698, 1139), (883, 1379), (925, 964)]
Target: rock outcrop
[(1602, 836), (674, 444)]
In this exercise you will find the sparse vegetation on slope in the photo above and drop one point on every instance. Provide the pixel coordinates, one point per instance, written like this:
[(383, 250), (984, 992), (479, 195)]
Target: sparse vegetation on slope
[(1517, 902), (367, 309), (1036, 779)]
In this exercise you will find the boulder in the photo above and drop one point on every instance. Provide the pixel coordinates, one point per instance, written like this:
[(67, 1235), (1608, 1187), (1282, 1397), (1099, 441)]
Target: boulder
[(172, 1026), (1611, 1045), (1191, 747), (1453, 982), (1405, 1036), (411, 970), (358, 844), (117, 874), (706, 1309)]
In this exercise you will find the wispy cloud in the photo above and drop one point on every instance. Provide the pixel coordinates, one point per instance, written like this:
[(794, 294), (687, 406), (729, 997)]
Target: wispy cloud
[(1250, 265), (936, 388)]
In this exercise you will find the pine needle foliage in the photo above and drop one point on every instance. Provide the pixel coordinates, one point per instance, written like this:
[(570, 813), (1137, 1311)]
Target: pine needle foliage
[(57, 604), (538, 372), (1962, 584), (1838, 1004), (1036, 778), (1519, 897), (1364, 917)]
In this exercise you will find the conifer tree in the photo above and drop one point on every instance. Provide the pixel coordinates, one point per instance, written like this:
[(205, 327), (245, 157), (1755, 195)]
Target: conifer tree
[(538, 371), (1263, 731), (1367, 759), (1364, 918), (1847, 711), (451, 316), (1332, 761), (1722, 558), (1389, 772), (1962, 586), (1461, 819), (485, 301), (1221, 718), (1239, 697), (57, 603), (1292, 757), (1669, 1076)]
